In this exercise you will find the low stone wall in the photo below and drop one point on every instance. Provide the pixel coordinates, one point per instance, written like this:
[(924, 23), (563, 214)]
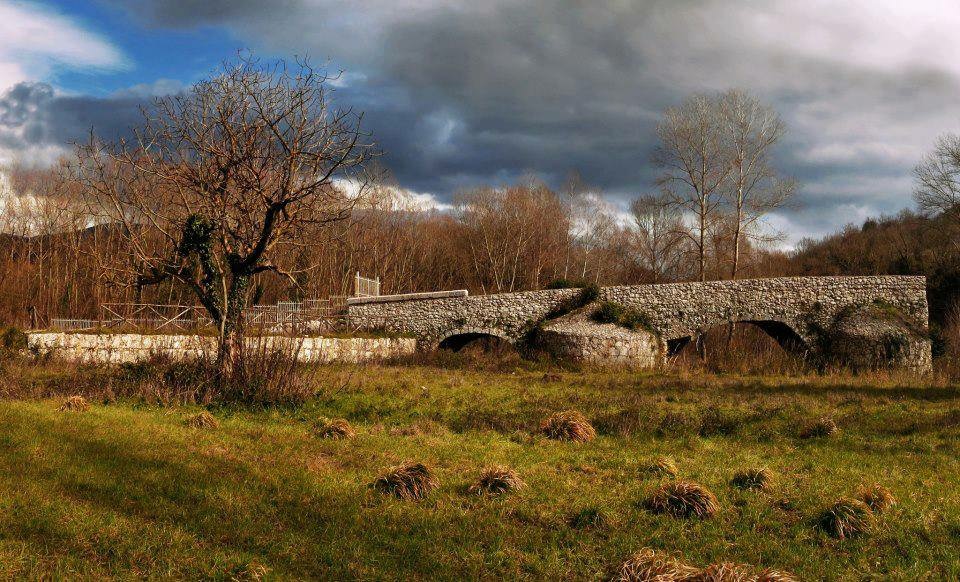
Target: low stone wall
[(117, 348)]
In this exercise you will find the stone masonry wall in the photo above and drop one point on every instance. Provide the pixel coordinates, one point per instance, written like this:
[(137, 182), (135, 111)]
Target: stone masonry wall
[(675, 310), (117, 348)]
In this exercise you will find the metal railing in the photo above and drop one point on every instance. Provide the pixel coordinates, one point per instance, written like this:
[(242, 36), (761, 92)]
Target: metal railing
[(366, 287)]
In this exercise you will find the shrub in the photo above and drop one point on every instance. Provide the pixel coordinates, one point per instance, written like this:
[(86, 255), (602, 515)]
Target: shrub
[(497, 481), (877, 497), (628, 317), (847, 518), (753, 479), (75, 404), (661, 467), (569, 425), (824, 427), (203, 419), (684, 499), (337, 428), (12, 340), (650, 565), (592, 517), (406, 481)]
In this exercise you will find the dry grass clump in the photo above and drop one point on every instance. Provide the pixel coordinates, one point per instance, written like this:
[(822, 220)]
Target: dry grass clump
[(203, 419), (877, 497), (661, 467), (771, 575), (724, 572), (847, 518), (406, 481), (337, 428), (652, 566), (824, 427), (754, 479), (569, 425), (684, 499), (75, 404), (497, 481)]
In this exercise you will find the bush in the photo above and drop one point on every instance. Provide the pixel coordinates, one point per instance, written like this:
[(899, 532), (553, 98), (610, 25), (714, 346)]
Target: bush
[(569, 425), (753, 479), (497, 481), (684, 499), (337, 428), (410, 480), (877, 497), (203, 419), (847, 518), (628, 317), (12, 339), (650, 565)]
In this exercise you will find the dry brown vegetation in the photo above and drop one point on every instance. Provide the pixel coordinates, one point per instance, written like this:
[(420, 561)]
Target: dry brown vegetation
[(757, 478), (847, 518), (568, 425), (877, 497), (75, 404), (338, 428), (684, 499), (409, 480), (661, 467), (203, 419), (497, 481)]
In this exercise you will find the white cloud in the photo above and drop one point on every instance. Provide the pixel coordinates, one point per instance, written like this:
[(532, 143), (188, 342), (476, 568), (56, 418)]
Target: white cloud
[(35, 40)]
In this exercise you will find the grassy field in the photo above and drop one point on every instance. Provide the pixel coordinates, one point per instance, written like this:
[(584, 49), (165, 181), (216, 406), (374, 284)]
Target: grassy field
[(128, 489)]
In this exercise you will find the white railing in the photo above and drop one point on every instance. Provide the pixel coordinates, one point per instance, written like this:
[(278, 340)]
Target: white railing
[(366, 287)]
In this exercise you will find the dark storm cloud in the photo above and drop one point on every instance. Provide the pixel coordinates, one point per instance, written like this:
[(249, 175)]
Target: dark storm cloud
[(459, 93), (33, 116)]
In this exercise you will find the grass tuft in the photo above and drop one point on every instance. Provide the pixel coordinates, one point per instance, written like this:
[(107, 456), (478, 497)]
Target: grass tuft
[(569, 425), (203, 419), (753, 479), (877, 497), (75, 404), (497, 481), (772, 575), (824, 427), (406, 481), (337, 428), (847, 518), (661, 467), (652, 566), (684, 499)]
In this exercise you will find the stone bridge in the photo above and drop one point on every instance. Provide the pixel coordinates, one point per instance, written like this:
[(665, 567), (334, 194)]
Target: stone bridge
[(796, 311)]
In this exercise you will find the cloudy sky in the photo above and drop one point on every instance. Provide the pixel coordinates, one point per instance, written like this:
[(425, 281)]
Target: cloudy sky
[(464, 92)]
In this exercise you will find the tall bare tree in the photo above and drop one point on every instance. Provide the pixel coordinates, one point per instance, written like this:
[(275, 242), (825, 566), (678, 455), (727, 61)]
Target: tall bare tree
[(753, 187), (658, 239), (220, 180), (938, 179), (695, 163)]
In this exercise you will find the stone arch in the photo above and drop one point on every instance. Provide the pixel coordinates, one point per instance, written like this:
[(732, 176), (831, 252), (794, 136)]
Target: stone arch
[(783, 333), (456, 339)]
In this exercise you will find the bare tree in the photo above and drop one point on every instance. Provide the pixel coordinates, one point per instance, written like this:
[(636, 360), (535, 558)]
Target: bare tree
[(221, 179), (938, 179), (753, 188), (695, 163), (658, 238)]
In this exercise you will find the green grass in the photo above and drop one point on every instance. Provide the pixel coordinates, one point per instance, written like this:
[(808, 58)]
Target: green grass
[(128, 490)]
